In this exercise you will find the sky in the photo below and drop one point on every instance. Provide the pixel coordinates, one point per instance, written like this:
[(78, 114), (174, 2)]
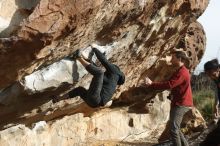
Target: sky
[(210, 20)]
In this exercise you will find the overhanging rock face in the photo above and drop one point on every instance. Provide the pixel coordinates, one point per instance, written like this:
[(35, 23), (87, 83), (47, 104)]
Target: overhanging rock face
[(137, 35), (12, 13), (140, 30)]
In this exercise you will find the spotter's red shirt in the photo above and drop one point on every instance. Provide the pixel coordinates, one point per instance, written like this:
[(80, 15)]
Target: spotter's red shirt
[(180, 87)]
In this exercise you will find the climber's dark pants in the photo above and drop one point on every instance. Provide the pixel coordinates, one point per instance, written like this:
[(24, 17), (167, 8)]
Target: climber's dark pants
[(92, 95), (176, 116)]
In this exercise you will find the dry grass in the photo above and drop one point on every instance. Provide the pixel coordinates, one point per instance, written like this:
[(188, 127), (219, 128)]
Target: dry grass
[(204, 101)]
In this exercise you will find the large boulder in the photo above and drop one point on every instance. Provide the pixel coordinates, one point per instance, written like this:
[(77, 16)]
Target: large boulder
[(137, 35)]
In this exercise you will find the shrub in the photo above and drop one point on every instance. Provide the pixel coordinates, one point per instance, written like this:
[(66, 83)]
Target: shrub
[(204, 102)]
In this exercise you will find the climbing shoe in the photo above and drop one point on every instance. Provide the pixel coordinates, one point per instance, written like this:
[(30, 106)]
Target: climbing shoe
[(108, 104), (75, 55)]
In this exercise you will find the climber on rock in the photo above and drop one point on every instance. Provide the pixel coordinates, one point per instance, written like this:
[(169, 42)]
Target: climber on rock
[(103, 84)]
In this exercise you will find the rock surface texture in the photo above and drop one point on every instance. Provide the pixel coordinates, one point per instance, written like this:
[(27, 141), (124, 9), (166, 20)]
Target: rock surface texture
[(138, 35)]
